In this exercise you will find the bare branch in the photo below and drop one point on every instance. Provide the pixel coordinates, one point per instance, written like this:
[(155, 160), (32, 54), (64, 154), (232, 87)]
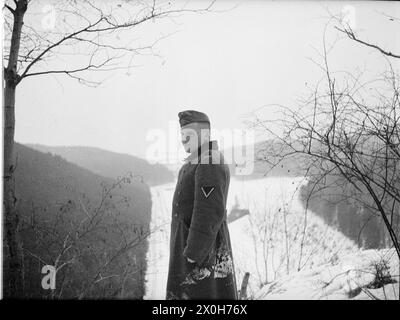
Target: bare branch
[(10, 9), (349, 32), (104, 24)]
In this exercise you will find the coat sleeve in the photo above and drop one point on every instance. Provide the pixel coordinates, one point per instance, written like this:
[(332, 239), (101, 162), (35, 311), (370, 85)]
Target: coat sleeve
[(208, 211)]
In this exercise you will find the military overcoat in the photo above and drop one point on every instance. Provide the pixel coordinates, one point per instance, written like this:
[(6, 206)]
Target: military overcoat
[(199, 230)]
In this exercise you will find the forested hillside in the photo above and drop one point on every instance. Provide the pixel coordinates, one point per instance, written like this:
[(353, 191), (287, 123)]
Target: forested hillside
[(92, 229)]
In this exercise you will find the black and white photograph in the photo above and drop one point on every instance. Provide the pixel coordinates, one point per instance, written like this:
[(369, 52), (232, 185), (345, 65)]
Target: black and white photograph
[(200, 150)]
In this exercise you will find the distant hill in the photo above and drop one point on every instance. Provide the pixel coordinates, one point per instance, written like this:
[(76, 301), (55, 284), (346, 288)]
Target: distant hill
[(332, 199), (55, 197), (48, 179), (263, 159), (110, 164)]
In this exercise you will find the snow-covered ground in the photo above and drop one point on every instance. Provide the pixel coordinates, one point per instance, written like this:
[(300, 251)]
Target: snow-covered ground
[(365, 274), (289, 253)]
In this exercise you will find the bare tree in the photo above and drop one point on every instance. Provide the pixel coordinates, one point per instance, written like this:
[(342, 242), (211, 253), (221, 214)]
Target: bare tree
[(348, 129), (87, 36)]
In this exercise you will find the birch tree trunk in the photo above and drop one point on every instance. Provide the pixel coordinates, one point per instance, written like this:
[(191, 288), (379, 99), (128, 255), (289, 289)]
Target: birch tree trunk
[(15, 285)]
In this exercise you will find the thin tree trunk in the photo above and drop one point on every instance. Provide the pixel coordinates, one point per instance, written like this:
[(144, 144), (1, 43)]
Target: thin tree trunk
[(14, 284)]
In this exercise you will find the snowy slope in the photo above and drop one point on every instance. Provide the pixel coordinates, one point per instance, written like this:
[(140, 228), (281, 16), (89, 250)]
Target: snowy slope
[(278, 237), (285, 249), (352, 276)]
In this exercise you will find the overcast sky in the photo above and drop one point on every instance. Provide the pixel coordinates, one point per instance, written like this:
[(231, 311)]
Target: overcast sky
[(224, 64)]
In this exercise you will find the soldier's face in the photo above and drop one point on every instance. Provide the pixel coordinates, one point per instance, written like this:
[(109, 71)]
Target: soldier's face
[(190, 139)]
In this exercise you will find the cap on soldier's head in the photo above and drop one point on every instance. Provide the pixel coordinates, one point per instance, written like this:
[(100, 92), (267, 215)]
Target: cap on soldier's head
[(190, 116)]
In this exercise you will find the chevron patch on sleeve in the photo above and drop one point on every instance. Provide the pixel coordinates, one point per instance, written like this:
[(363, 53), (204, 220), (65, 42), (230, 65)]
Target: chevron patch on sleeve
[(207, 190)]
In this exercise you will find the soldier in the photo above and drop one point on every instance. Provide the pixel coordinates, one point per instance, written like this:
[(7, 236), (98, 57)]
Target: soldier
[(201, 263)]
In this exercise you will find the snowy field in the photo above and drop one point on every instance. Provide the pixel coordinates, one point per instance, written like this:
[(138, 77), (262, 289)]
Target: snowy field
[(289, 253)]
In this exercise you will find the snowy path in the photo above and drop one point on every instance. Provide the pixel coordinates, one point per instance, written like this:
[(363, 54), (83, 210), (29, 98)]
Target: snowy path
[(158, 254)]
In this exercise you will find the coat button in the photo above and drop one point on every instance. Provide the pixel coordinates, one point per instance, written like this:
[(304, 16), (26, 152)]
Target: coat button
[(175, 215), (177, 204)]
